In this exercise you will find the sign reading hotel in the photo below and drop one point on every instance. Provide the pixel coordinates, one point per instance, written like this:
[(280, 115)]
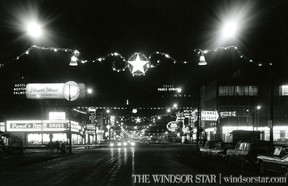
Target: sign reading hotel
[(169, 88), (69, 91), (209, 116)]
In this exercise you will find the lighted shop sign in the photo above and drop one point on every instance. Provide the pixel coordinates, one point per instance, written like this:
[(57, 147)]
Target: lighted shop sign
[(58, 116), (39, 125), (172, 126), (209, 116), (228, 114), (69, 91), (90, 127), (169, 88), (99, 131)]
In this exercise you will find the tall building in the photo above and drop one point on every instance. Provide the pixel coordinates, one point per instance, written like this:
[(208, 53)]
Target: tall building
[(249, 99)]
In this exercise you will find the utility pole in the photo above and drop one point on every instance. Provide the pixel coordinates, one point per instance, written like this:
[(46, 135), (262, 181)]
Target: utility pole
[(270, 122), (198, 124), (70, 127)]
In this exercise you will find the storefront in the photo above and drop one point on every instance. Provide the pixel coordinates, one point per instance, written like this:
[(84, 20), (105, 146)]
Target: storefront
[(41, 132), (280, 133)]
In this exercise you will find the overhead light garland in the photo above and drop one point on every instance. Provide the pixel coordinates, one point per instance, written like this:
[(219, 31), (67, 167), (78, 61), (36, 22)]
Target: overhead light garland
[(138, 63)]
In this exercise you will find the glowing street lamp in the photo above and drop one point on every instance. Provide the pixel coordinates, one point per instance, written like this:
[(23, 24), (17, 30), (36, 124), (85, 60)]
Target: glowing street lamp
[(175, 105), (229, 30), (34, 30), (89, 90)]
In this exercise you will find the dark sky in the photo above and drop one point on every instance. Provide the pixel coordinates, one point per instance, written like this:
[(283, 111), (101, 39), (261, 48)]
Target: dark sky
[(99, 27)]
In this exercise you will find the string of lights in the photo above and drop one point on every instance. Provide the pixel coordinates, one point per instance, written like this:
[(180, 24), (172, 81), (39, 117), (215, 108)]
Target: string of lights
[(138, 63), (136, 119), (140, 108), (35, 47)]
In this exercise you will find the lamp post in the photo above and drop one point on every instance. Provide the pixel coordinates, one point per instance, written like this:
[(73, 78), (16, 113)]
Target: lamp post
[(271, 114), (70, 127), (72, 95), (255, 114)]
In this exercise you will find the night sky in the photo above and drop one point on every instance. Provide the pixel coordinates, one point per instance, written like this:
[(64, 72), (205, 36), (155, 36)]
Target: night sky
[(174, 27)]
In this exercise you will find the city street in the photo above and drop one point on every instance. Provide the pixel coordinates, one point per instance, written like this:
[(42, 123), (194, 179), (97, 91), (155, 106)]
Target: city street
[(118, 93), (124, 166)]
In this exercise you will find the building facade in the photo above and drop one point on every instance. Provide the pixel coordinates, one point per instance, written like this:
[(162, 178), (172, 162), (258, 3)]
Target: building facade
[(246, 102)]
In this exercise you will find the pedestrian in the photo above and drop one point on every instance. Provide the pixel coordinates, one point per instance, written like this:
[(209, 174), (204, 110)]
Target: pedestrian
[(57, 146), (63, 151)]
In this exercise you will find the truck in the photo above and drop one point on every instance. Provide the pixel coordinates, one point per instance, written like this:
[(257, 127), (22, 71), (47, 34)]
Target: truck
[(244, 135)]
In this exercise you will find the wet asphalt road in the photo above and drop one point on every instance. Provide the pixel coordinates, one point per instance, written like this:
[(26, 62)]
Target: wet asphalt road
[(125, 166)]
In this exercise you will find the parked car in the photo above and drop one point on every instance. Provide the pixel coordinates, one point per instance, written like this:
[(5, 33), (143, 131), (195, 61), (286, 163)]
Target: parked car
[(219, 152), (206, 149), (246, 152), (276, 162)]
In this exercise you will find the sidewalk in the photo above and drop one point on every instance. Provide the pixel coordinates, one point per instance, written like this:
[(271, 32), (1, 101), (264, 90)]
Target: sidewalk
[(39, 154)]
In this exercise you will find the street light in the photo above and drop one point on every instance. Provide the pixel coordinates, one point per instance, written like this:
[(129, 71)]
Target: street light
[(89, 90), (229, 30), (175, 105), (255, 112), (73, 93), (34, 29)]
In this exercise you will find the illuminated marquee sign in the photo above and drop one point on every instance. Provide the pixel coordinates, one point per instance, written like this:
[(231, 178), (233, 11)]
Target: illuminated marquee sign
[(45, 91), (39, 125), (69, 91)]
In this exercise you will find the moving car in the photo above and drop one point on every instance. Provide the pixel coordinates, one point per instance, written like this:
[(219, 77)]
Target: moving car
[(122, 143), (276, 162), (246, 152)]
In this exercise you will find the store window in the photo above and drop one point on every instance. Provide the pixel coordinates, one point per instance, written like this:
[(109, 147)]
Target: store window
[(283, 90), (2, 126), (36, 138)]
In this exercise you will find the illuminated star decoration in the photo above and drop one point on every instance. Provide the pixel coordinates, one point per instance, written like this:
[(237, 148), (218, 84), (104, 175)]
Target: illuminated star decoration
[(137, 66)]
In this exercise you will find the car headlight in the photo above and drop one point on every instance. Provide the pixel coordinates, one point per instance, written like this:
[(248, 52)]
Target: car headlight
[(119, 144), (125, 143), (132, 143), (111, 144)]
